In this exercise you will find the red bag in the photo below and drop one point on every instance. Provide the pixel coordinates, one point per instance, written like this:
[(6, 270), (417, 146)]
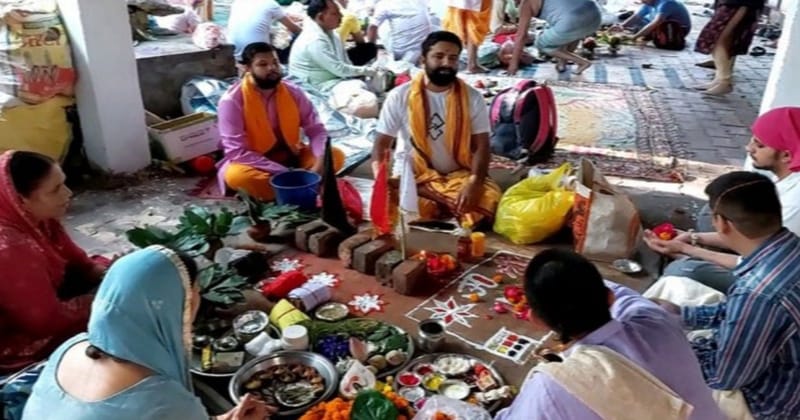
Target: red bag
[(351, 199), (524, 122)]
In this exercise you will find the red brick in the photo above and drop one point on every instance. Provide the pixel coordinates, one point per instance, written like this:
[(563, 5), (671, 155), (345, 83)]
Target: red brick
[(305, 231), (385, 266), (347, 247), (325, 244), (409, 276), (365, 256)]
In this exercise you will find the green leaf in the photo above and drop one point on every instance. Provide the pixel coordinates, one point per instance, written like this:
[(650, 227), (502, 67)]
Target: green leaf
[(372, 405), (149, 235)]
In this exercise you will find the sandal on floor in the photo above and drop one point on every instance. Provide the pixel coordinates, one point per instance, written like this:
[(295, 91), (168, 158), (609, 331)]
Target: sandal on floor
[(758, 51)]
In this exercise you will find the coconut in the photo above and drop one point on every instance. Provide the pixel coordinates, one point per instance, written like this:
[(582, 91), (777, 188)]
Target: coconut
[(377, 361)]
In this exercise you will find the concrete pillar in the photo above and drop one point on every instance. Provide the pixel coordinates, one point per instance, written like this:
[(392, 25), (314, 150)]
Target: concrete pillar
[(107, 93), (783, 85)]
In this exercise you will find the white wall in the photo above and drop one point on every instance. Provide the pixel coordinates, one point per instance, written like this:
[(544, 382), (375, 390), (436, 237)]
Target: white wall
[(783, 85), (107, 93)]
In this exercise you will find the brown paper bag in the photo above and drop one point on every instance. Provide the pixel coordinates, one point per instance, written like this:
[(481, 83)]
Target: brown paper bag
[(606, 224)]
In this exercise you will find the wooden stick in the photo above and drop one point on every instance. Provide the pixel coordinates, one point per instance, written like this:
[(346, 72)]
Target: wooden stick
[(402, 235)]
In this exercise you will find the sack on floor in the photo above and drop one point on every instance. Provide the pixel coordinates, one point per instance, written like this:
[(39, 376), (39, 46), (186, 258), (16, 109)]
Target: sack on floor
[(670, 36), (605, 224), (524, 122), (35, 55), (535, 208), (352, 97)]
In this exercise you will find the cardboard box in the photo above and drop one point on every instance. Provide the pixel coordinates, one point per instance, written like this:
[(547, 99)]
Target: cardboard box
[(187, 137)]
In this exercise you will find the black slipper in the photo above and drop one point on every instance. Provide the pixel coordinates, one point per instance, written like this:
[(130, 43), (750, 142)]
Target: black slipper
[(758, 51)]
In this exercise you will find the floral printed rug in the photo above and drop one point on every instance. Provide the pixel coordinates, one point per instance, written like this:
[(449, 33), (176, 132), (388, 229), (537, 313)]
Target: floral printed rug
[(625, 130)]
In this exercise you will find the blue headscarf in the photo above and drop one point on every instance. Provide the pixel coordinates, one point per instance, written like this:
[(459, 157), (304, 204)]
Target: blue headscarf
[(142, 313)]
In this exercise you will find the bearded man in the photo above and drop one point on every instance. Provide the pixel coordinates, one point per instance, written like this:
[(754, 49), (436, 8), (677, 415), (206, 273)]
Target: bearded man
[(443, 124), (260, 119)]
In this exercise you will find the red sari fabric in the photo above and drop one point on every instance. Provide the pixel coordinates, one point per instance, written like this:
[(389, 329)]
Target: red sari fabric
[(33, 261)]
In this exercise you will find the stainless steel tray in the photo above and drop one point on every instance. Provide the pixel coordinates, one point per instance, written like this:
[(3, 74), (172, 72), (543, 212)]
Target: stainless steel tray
[(321, 364), (431, 358)]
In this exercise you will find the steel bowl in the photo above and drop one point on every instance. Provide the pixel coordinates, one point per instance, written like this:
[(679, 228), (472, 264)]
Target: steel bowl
[(627, 266), (250, 324), (321, 364)]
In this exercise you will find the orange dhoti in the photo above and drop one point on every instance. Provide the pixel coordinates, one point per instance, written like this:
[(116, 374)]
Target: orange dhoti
[(438, 198), (471, 26), (255, 182)]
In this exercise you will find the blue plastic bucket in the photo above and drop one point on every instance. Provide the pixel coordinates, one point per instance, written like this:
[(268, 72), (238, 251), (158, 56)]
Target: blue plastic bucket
[(299, 188)]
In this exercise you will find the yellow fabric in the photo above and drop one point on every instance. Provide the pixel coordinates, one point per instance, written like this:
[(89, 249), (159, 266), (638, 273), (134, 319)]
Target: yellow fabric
[(472, 27), (457, 132), (350, 25), (260, 134), (628, 392), (256, 182), (41, 128), (445, 189), (284, 314)]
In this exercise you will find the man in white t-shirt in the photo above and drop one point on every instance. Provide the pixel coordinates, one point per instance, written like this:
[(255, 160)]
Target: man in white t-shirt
[(775, 151), (409, 23), (443, 127), (251, 21)]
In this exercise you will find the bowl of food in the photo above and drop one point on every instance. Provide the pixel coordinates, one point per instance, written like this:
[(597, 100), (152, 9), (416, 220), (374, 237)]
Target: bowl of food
[(293, 381)]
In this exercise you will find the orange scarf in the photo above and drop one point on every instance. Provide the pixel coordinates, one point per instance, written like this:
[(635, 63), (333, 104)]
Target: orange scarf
[(457, 132), (260, 136)]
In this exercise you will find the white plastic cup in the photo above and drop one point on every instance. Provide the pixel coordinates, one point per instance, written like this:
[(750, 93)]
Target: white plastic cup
[(295, 337)]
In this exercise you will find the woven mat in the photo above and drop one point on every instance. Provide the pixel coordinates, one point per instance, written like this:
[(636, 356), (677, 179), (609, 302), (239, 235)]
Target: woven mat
[(625, 130)]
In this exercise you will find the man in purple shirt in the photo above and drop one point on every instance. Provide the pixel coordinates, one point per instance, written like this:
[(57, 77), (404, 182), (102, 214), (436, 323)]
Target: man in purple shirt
[(260, 119), (567, 295)]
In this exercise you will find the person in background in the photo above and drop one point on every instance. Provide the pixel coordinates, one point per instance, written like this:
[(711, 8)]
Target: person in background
[(133, 361), (470, 20), (47, 279), (251, 21), (443, 125), (260, 119), (409, 25), (775, 149), (609, 335), (569, 21), (363, 51), (728, 34), (666, 22), (752, 350), (319, 59)]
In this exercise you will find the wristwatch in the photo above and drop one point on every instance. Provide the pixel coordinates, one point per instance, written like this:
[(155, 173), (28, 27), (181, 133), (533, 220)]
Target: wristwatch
[(694, 238)]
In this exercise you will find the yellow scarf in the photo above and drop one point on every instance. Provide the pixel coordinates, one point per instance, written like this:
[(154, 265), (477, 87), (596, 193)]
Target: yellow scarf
[(457, 131), (260, 136)]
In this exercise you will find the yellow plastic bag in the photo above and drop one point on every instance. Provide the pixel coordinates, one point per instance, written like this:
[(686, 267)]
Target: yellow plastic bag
[(534, 208)]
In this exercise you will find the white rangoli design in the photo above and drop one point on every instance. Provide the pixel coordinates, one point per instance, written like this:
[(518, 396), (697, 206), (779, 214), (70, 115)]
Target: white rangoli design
[(366, 303), (325, 279), (475, 283), (449, 312), (285, 265)]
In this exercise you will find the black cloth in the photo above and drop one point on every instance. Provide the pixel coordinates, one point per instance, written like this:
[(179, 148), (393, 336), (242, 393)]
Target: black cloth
[(362, 53)]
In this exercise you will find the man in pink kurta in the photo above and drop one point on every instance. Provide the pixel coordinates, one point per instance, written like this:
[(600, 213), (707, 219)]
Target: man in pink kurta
[(244, 168)]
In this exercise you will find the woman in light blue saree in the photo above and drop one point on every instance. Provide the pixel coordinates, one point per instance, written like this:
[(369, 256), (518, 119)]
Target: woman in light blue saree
[(133, 362)]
